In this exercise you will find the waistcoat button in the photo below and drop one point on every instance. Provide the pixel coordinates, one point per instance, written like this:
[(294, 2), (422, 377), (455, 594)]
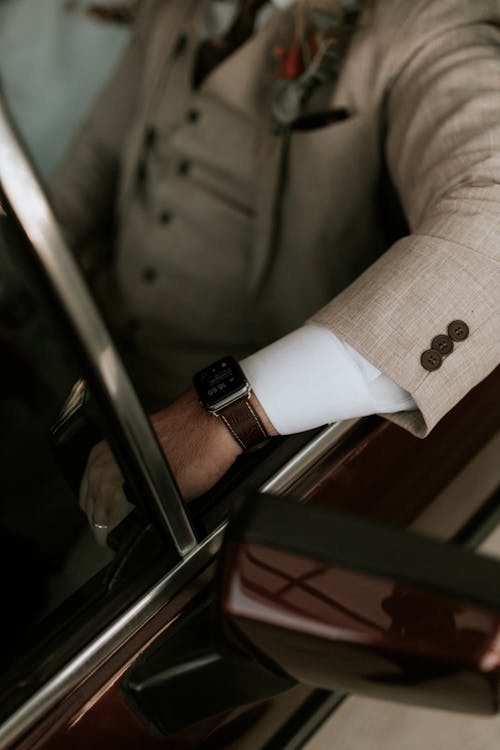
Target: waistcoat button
[(165, 217), (183, 167), (181, 44), (141, 172), (193, 115), (150, 137), (149, 275)]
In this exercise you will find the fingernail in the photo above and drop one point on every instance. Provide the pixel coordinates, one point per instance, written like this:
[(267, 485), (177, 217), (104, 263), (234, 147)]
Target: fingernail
[(100, 535), (100, 518)]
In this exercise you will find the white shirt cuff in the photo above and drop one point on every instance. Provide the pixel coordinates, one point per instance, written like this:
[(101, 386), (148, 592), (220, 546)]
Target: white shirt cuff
[(310, 378)]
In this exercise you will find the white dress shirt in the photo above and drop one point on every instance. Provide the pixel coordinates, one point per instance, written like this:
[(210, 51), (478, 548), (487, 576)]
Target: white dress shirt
[(310, 377)]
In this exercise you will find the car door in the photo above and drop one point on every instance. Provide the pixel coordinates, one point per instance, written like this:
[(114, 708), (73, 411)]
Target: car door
[(142, 610), (75, 616)]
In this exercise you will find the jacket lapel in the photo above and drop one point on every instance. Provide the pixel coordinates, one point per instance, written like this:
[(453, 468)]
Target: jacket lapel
[(246, 81), (166, 28), (273, 156)]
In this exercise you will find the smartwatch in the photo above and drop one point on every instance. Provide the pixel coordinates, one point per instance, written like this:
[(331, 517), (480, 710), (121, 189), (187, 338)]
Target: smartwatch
[(224, 391)]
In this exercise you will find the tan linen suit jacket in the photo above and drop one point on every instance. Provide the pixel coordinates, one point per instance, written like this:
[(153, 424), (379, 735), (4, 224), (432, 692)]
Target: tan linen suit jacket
[(239, 265)]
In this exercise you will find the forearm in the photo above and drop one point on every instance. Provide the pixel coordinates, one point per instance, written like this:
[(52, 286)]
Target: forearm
[(442, 127)]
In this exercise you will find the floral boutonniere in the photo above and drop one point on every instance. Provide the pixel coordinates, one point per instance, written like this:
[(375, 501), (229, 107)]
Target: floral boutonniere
[(314, 57), (122, 13)]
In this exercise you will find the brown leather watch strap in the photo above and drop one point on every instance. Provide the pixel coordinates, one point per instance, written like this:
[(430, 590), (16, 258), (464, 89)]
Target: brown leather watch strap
[(243, 422)]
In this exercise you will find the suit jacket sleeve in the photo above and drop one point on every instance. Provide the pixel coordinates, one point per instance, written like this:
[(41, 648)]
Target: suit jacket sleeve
[(441, 117), (83, 188)]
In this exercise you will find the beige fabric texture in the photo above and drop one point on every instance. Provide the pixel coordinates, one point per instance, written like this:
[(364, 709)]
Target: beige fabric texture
[(421, 81)]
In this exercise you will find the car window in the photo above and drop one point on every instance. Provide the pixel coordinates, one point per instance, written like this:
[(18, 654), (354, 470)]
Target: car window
[(49, 557), (46, 545)]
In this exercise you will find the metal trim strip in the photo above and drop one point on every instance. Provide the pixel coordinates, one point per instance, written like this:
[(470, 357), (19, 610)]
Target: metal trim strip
[(26, 195)]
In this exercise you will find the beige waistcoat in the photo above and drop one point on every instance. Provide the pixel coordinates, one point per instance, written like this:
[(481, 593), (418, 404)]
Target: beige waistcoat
[(210, 259)]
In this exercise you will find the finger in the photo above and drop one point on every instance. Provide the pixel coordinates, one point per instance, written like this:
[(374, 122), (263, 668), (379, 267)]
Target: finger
[(84, 491), (100, 534), (120, 508), (89, 474), (97, 517), (99, 513), (107, 513), (99, 483)]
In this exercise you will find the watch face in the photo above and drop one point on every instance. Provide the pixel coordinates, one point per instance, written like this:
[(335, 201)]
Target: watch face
[(220, 383)]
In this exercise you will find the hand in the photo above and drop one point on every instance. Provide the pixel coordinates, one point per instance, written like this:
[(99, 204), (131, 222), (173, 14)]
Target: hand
[(198, 446), (102, 498)]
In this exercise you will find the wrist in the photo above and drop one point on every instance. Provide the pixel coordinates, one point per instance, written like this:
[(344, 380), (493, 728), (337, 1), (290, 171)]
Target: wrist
[(222, 439), (225, 393), (268, 425), (219, 440), (197, 445)]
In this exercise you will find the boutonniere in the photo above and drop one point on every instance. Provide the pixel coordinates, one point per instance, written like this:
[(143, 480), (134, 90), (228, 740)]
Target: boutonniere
[(315, 56), (122, 13)]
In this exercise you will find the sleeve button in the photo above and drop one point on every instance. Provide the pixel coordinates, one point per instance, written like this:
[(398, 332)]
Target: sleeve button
[(458, 330), (442, 344), (431, 360)]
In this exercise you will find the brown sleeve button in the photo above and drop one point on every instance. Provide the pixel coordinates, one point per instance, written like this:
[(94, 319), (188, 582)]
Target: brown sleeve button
[(458, 330), (431, 360), (442, 344)]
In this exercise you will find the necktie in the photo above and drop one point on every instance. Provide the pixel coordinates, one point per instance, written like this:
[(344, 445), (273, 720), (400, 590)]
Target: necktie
[(212, 52)]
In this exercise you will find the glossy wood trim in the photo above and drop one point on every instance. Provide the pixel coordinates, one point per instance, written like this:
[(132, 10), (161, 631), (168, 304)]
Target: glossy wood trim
[(392, 476)]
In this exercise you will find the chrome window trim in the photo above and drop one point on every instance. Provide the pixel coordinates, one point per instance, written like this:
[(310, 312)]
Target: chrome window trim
[(305, 459), (25, 194), (22, 720)]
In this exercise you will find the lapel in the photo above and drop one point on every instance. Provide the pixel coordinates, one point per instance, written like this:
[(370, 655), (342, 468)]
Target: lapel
[(245, 81), (273, 156), (270, 177), (166, 22)]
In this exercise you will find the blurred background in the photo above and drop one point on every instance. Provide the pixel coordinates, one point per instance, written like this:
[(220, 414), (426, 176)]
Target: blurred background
[(54, 56)]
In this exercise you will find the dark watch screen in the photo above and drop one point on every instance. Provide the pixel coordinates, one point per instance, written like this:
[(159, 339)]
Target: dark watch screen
[(221, 380)]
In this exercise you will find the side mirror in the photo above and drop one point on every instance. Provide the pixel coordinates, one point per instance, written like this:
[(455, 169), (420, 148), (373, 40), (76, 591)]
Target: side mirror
[(343, 603)]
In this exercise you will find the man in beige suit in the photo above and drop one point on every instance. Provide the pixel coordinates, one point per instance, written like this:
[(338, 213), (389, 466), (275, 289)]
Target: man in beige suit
[(244, 213)]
